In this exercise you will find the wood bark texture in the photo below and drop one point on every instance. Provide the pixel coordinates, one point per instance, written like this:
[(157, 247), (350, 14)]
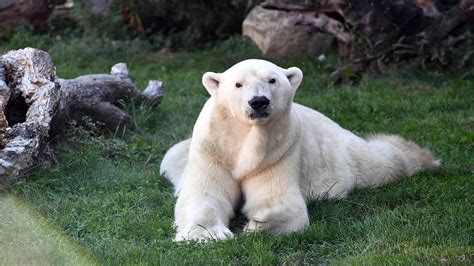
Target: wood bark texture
[(97, 96), (36, 105), (32, 95)]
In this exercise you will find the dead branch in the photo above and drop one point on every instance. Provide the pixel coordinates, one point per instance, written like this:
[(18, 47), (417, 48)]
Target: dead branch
[(325, 24), (371, 31), (325, 6)]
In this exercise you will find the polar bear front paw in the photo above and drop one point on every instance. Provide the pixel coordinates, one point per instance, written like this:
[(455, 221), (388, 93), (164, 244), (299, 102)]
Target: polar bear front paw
[(203, 234), (255, 226)]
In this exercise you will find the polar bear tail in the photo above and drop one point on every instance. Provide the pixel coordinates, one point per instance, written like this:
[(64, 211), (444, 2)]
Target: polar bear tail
[(174, 163), (390, 158)]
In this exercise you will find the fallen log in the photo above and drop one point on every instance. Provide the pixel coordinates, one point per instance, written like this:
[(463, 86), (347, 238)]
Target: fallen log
[(36, 105), (97, 96)]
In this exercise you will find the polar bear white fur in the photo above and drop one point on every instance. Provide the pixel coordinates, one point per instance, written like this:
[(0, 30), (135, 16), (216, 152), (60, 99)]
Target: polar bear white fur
[(252, 143)]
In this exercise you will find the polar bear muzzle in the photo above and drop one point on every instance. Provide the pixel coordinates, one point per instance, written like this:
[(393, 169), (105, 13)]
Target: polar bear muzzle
[(259, 103), (259, 108)]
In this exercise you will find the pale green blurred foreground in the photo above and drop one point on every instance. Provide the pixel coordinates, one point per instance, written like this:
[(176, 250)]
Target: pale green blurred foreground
[(28, 239)]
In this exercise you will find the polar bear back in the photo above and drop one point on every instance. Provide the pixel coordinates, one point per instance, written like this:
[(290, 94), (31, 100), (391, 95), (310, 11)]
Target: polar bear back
[(327, 165)]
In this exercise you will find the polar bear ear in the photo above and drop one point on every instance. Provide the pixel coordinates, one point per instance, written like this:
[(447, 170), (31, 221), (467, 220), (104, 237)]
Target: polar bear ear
[(211, 81), (295, 76)]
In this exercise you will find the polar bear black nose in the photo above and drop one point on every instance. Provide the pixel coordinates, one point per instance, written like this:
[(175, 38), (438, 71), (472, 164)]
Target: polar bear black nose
[(259, 103)]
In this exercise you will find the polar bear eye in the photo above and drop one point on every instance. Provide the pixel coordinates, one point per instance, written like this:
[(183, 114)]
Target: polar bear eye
[(272, 81), (238, 85)]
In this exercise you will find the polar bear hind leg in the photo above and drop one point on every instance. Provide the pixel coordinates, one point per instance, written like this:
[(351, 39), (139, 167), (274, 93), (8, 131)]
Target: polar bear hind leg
[(389, 158), (174, 163)]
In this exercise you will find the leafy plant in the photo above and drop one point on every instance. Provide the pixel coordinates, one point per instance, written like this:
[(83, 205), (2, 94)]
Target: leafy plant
[(185, 23)]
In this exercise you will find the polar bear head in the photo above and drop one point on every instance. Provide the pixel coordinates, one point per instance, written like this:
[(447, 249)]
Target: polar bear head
[(254, 91)]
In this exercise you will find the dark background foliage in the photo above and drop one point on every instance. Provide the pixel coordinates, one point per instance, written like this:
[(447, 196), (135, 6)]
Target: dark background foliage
[(166, 23)]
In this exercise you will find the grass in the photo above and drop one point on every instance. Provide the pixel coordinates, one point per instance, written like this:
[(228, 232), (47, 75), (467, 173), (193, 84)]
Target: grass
[(106, 194)]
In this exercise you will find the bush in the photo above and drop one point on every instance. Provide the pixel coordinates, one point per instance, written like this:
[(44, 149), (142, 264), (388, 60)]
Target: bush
[(166, 23)]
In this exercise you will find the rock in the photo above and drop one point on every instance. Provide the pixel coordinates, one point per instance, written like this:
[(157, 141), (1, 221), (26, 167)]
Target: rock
[(276, 34)]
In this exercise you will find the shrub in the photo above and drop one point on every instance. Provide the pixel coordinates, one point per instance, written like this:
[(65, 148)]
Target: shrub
[(166, 23)]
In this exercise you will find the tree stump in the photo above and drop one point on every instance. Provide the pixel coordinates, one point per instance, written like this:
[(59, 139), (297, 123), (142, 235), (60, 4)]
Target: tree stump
[(35, 104), (31, 93)]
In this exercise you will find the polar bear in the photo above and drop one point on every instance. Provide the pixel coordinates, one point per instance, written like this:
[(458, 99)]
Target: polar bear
[(251, 143)]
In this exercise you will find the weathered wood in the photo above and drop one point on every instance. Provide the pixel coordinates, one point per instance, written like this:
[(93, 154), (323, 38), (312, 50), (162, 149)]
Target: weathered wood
[(96, 96), (371, 31), (446, 23), (35, 104), (325, 24), (31, 76), (4, 96)]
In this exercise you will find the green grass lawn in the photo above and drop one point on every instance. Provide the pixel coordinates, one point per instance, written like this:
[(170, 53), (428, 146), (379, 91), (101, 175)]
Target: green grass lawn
[(106, 194)]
